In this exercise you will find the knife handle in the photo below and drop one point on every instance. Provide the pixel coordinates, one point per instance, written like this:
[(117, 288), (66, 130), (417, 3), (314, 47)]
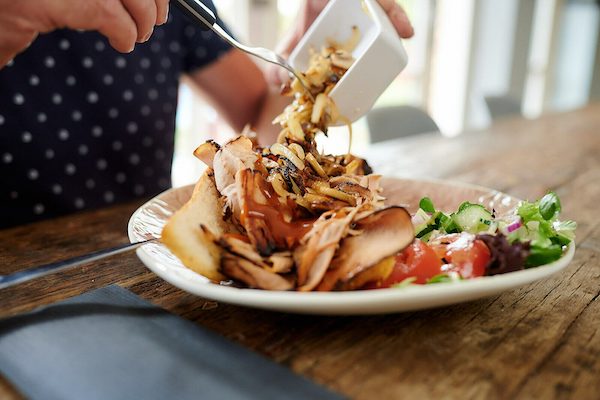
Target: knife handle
[(198, 12)]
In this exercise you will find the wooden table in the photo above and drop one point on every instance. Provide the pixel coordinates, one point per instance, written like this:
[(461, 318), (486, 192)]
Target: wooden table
[(540, 341)]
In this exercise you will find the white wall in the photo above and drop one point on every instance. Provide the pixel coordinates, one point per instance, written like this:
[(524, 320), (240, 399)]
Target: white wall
[(492, 57), (450, 64), (575, 55)]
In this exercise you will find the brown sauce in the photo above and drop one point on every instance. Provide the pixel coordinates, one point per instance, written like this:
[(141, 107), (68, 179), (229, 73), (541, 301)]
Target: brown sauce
[(286, 235)]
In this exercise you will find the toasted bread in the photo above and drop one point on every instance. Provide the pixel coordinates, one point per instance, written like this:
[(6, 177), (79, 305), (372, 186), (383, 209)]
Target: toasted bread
[(183, 234)]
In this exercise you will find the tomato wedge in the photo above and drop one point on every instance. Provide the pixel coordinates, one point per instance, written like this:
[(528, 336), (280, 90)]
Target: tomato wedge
[(462, 253), (418, 260)]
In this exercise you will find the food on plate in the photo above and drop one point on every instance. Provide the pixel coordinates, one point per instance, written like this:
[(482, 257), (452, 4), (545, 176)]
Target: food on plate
[(287, 217)]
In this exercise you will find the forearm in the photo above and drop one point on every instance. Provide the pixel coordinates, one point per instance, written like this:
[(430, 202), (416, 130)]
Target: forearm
[(238, 90), (272, 105)]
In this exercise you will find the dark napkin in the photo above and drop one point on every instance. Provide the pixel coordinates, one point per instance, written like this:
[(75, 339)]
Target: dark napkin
[(110, 344)]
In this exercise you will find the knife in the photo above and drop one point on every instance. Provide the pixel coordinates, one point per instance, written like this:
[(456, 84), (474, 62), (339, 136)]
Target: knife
[(43, 270)]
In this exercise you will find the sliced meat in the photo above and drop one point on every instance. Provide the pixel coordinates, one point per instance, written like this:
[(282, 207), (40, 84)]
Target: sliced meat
[(384, 233), (253, 275), (322, 241), (241, 248), (371, 182), (236, 155), (206, 152), (281, 263)]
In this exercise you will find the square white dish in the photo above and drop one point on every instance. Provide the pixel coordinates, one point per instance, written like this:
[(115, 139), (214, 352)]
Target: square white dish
[(379, 55)]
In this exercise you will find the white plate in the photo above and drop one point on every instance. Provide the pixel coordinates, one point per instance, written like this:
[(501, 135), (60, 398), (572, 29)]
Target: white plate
[(148, 220)]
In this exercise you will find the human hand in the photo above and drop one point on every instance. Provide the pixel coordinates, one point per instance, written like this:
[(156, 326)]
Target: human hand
[(309, 12), (123, 22)]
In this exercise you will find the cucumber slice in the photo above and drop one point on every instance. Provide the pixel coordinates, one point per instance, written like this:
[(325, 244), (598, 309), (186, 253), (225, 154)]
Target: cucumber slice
[(472, 218), (431, 224)]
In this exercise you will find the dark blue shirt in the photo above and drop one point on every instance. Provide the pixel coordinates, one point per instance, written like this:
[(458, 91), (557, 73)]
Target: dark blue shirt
[(83, 126)]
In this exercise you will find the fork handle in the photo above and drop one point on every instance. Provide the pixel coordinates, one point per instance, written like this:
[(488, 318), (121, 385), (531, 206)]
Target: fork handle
[(43, 270), (197, 11)]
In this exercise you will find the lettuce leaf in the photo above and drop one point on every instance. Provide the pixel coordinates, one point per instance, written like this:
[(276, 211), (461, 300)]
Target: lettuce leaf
[(542, 229)]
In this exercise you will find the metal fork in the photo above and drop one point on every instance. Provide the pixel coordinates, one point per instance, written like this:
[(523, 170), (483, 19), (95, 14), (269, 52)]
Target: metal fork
[(200, 13)]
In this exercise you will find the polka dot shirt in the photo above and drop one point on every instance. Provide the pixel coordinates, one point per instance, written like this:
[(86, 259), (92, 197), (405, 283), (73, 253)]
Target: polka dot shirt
[(83, 126)]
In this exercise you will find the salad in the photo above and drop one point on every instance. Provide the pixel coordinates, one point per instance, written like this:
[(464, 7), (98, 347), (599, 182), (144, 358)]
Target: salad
[(473, 242)]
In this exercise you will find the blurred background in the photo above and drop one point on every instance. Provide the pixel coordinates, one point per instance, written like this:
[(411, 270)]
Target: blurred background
[(471, 62)]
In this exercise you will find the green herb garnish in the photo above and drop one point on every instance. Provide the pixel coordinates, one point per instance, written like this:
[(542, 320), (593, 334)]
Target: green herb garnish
[(404, 283), (426, 205), (443, 278), (549, 206)]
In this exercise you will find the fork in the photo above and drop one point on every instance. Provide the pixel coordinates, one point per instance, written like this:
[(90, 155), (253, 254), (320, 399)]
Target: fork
[(200, 13)]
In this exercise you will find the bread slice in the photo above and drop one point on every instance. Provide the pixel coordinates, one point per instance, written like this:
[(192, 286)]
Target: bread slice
[(184, 237)]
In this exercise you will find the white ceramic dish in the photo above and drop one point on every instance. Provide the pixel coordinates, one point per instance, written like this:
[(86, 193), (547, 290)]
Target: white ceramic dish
[(148, 220), (379, 55)]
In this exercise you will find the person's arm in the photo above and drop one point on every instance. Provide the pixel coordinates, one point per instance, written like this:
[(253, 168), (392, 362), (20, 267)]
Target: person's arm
[(238, 90), (123, 22)]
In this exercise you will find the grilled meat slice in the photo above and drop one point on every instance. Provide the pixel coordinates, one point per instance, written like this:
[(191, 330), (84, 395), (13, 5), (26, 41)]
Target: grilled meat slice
[(206, 152), (321, 243), (384, 233), (236, 155), (281, 262), (253, 275), (236, 244), (239, 247)]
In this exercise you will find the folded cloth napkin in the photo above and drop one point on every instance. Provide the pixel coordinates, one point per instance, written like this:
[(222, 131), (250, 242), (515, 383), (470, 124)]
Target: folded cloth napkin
[(110, 344)]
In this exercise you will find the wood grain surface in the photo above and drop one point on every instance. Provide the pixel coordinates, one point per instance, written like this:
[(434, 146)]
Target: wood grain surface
[(539, 341)]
